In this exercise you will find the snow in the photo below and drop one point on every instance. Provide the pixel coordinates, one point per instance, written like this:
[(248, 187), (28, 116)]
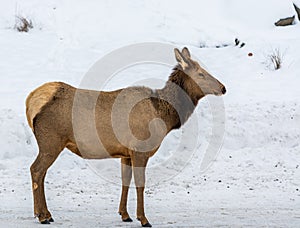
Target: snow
[(255, 179)]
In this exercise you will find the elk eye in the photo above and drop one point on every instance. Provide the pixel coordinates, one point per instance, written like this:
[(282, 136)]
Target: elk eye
[(201, 75)]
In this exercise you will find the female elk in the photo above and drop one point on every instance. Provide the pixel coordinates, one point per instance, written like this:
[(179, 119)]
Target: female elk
[(129, 123)]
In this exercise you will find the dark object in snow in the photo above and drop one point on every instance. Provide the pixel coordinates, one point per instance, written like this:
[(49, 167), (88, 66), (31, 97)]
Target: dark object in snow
[(222, 46), (203, 45), (250, 54), (297, 10), (285, 21), (237, 42)]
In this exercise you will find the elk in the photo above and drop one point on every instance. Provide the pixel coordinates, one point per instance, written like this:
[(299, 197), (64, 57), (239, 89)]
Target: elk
[(128, 123)]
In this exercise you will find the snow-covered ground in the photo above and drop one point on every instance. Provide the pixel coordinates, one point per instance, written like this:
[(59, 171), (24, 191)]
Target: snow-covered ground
[(255, 180)]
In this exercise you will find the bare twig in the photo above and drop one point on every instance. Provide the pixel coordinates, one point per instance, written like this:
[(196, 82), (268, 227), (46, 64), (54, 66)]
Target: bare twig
[(22, 24), (276, 58)]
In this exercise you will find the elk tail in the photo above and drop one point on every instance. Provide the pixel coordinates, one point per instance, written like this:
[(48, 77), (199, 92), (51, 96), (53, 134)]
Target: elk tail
[(37, 99)]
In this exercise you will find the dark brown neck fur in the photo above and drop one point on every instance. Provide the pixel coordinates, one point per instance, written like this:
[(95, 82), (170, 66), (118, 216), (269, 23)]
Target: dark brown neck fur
[(178, 99)]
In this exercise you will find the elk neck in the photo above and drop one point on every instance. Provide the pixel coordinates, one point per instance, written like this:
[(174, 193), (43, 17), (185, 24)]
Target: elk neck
[(176, 101)]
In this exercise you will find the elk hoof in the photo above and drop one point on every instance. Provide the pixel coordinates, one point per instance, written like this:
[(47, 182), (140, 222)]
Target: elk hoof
[(147, 225), (127, 220), (45, 222), (51, 220)]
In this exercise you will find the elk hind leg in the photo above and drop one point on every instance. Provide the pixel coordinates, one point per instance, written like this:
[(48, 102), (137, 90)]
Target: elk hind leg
[(48, 152)]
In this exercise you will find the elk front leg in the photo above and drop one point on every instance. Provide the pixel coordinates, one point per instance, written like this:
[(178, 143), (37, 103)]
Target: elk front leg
[(126, 170), (139, 162)]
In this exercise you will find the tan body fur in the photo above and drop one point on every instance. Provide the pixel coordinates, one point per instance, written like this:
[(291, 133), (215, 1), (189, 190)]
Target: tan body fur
[(89, 123)]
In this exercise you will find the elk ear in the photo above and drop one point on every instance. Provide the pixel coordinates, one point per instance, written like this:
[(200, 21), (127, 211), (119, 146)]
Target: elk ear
[(186, 53), (180, 59)]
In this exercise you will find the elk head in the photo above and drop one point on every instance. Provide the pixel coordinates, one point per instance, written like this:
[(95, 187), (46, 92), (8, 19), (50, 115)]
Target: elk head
[(205, 82)]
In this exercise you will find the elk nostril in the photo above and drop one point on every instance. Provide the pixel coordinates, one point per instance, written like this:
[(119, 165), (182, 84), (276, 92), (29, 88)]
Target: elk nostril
[(223, 90)]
